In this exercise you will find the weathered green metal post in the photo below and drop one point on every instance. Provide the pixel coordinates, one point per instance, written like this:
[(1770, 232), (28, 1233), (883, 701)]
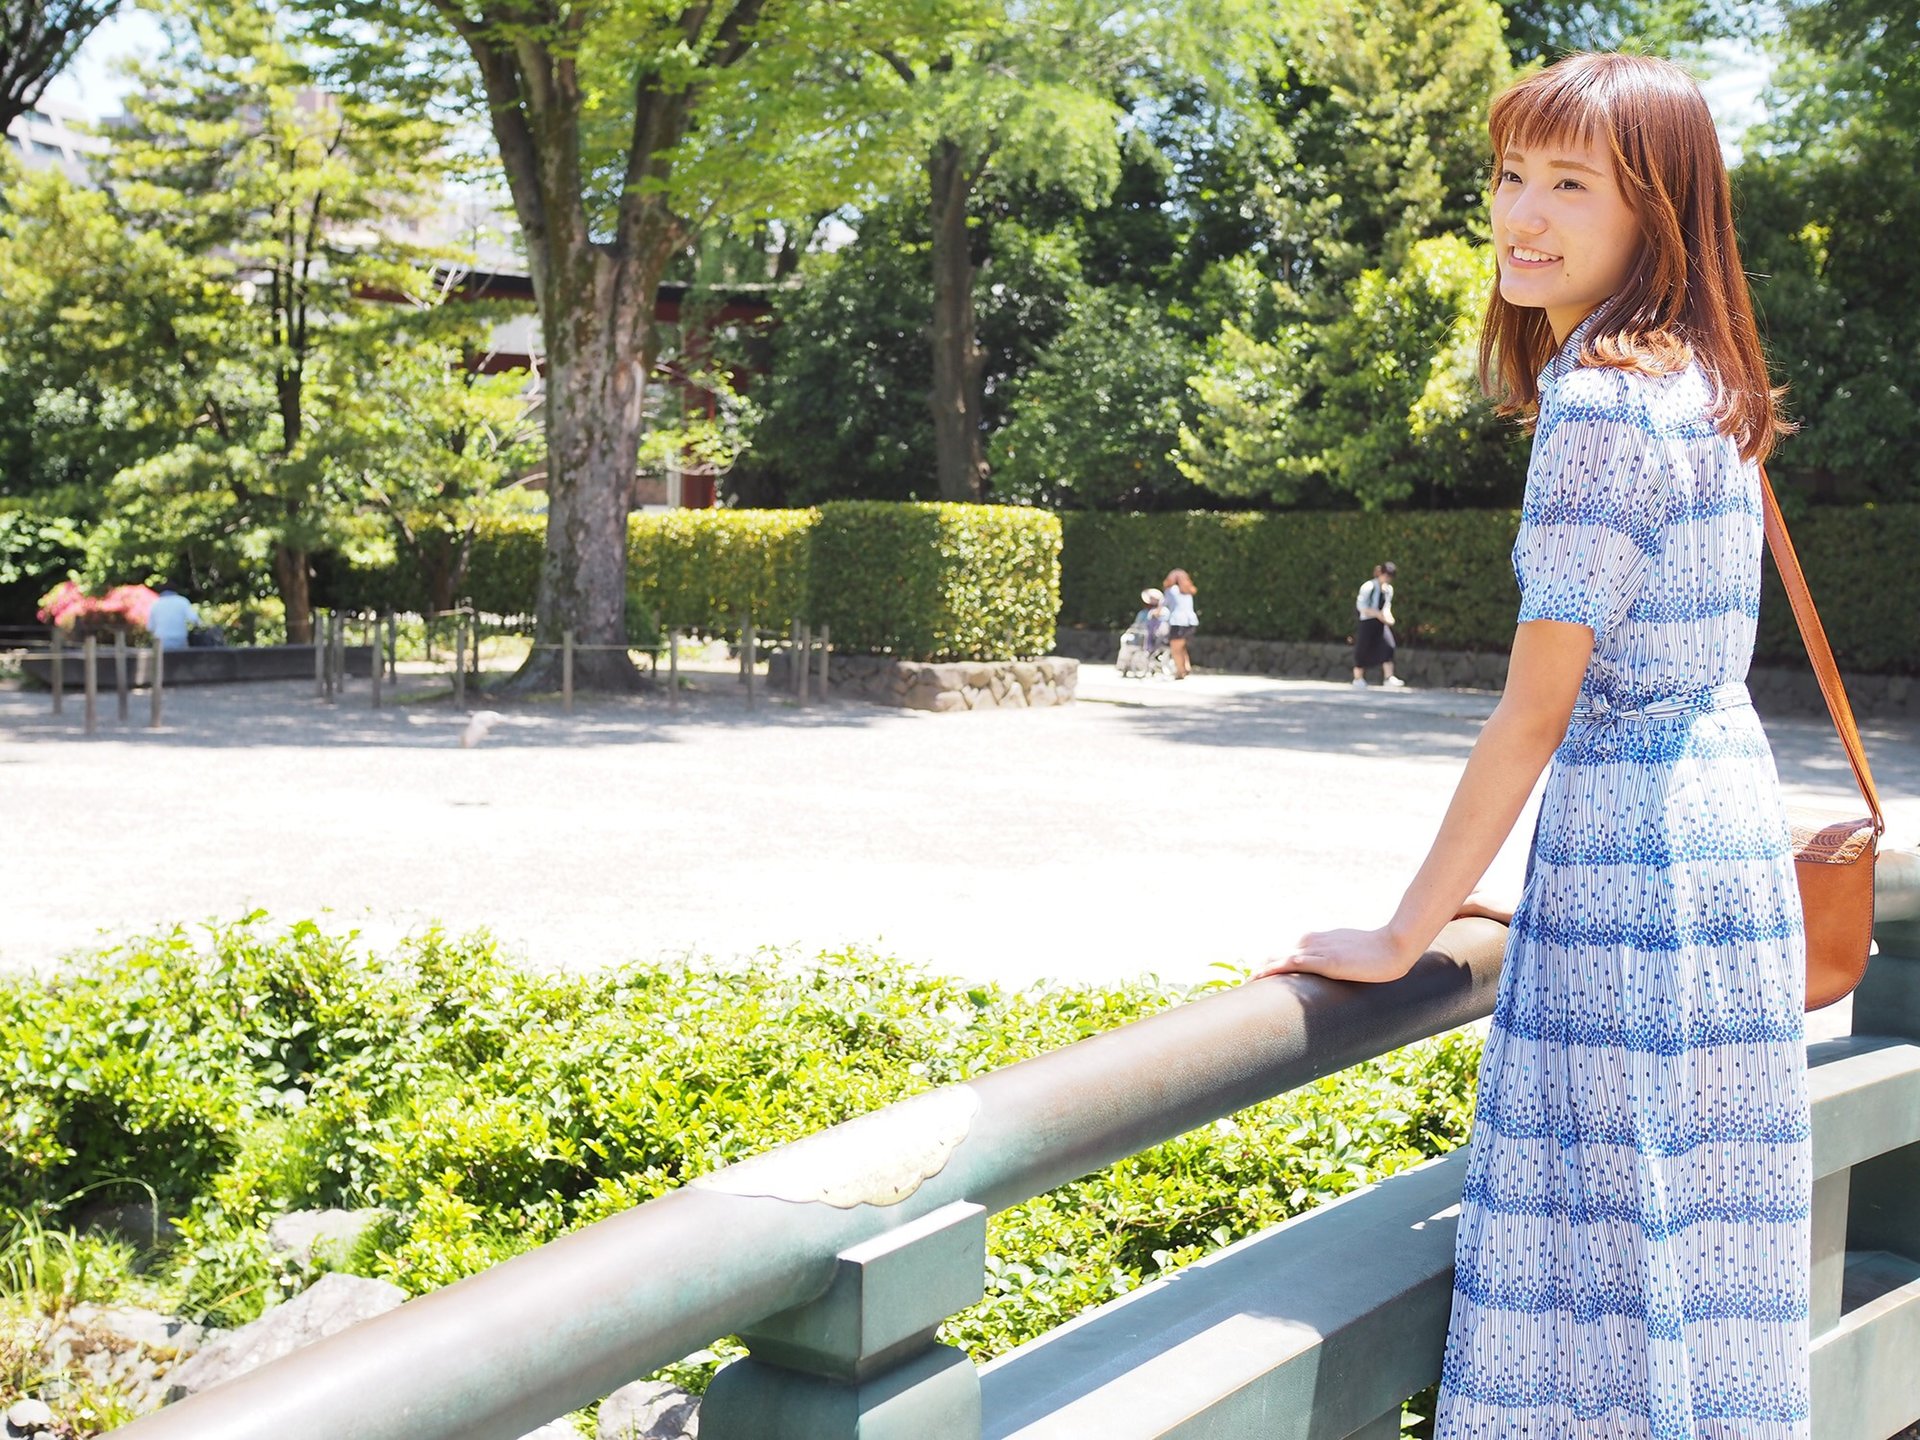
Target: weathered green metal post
[(1885, 1210), (860, 1361)]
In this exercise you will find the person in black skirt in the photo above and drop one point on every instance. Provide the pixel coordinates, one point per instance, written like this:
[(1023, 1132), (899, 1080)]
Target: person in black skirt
[(1373, 642)]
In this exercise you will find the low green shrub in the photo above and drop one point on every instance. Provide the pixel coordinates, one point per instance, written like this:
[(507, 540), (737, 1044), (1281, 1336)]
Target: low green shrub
[(936, 581), (706, 570), (245, 1071), (1292, 576)]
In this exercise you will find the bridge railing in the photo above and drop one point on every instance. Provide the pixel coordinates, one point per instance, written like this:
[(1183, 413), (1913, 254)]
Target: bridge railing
[(837, 1257)]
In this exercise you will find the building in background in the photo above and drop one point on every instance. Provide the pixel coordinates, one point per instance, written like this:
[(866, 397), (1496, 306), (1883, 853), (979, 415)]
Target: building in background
[(54, 134)]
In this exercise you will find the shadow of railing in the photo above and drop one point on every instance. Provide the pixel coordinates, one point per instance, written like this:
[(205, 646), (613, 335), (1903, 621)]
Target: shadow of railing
[(836, 1258)]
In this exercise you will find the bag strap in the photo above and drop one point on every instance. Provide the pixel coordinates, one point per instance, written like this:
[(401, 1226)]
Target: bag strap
[(1818, 650)]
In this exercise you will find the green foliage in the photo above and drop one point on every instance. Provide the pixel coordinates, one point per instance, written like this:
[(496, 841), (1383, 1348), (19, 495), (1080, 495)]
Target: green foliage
[(39, 547), (1826, 236), (249, 1071), (1378, 403), (846, 406), (1292, 576), (705, 570), (1094, 423), (936, 581)]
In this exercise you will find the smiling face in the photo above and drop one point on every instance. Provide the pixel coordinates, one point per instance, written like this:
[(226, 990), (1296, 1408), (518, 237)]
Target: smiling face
[(1564, 235)]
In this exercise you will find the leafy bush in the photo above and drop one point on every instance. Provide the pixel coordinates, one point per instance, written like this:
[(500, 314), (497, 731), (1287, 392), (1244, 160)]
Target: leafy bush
[(1292, 576), (936, 581), (706, 569), (247, 1072)]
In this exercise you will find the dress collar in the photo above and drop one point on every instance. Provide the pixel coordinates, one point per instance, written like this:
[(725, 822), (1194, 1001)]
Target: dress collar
[(1567, 357)]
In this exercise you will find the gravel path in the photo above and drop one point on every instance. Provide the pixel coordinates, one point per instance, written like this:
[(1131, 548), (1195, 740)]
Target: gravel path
[(1151, 827)]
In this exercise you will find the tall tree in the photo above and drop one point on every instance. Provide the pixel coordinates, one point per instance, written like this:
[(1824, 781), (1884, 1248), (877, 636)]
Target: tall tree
[(1825, 228), (300, 200), (600, 115), (38, 39), (1040, 91)]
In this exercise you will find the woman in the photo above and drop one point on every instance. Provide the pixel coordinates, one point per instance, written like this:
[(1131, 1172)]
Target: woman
[(1633, 1244), (1182, 619)]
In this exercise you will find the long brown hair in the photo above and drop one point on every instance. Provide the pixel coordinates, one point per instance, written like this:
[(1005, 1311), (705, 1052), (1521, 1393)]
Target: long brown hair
[(1686, 297)]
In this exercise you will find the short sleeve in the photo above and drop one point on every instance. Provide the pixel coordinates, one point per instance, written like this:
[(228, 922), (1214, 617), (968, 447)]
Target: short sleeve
[(1593, 517)]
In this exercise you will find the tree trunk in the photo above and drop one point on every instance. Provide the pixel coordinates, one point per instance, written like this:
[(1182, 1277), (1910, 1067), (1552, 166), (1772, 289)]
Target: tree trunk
[(290, 579), (958, 361), (597, 363)]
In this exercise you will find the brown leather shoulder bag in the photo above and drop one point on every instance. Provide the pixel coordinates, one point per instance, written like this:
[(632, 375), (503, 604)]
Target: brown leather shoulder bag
[(1833, 856)]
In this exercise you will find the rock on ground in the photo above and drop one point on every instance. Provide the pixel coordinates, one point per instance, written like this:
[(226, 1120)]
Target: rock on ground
[(649, 1410), (327, 1307), (301, 1233)]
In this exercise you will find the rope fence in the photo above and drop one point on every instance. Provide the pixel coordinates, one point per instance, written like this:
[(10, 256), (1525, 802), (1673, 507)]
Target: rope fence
[(809, 649)]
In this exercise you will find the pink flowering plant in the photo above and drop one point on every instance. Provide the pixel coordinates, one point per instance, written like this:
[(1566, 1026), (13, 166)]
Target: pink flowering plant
[(73, 610)]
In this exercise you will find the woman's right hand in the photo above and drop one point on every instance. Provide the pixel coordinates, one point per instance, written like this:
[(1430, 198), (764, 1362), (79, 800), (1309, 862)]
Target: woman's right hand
[(1369, 956)]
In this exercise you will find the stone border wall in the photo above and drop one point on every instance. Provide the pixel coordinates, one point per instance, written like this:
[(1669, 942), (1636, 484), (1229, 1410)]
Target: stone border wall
[(955, 685), (1777, 690)]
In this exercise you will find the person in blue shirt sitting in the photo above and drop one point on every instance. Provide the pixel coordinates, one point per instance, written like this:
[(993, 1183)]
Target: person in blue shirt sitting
[(171, 619)]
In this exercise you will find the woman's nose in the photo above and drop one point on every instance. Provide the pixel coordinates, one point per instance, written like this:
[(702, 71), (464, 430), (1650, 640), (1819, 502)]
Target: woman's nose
[(1523, 216)]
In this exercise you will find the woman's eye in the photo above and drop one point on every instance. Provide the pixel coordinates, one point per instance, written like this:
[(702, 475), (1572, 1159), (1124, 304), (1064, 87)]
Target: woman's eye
[(1506, 175), (1575, 184)]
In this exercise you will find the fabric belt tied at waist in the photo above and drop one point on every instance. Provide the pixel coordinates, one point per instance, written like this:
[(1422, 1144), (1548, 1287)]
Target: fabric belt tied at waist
[(1731, 696)]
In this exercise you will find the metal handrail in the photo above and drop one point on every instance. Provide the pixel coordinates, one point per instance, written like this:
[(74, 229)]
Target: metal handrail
[(502, 1352)]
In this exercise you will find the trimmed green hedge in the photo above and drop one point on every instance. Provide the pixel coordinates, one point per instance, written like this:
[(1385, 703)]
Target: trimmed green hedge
[(937, 581), (924, 582), (1293, 576), (705, 569)]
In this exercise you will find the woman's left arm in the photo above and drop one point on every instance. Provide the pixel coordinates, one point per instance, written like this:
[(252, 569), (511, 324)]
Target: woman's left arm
[(1543, 682)]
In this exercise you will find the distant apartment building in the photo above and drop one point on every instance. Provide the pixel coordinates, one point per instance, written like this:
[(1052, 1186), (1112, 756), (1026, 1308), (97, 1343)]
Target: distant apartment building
[(53, 135)]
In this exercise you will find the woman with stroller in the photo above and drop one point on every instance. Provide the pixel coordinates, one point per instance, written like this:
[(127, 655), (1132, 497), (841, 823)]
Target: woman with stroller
[(1182, 619)]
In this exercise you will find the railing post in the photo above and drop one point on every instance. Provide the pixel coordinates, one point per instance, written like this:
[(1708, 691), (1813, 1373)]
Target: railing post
[(1883, 1212), (58, 674), (860, 1362), (826, 645), (673, 669), (803, 659)]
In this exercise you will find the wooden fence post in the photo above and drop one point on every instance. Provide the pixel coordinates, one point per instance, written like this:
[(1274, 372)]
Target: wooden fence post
[(673, 669), (393, 649), (156, 687), (803, 658), (376, 661), (319, 656), (333, 675), (748, 657), (460, 657), (120, 670), (566, 670), (90, 654), (826, 644), (59, 673)]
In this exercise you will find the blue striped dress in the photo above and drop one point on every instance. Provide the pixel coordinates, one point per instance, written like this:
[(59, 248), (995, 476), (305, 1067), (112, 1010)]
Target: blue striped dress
[(1633, 1247)]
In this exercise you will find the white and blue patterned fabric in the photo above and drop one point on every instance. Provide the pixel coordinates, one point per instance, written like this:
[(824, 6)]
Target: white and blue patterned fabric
[(1633, 1246)]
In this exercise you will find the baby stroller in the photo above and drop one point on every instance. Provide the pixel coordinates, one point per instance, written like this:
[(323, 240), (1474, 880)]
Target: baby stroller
[(1144, 652)]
